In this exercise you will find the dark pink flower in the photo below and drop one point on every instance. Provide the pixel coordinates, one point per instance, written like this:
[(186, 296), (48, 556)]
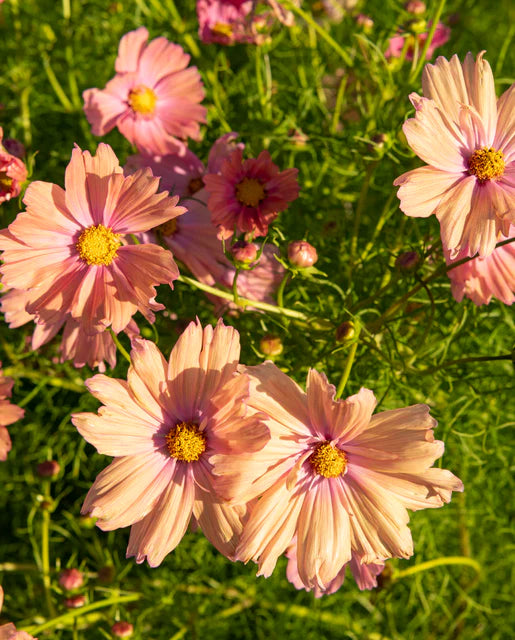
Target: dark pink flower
[(396, 44), (12, 173)]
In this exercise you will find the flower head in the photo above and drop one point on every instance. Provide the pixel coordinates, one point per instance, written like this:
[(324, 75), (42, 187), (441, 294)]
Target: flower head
[(153, 98), (225, 21), (12, 173), (69, 251), (482, 279), (163, 426), (465, 135), (9, 413), (333, 475)]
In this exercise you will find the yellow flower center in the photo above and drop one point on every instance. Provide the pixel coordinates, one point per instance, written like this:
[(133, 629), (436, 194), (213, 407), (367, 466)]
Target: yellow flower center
[(487, 164), (5, 181), (222, 29), (328, 461), (98, 245), (186, 442), (168, 228), (195, 185), (142, 100), (250, 192)]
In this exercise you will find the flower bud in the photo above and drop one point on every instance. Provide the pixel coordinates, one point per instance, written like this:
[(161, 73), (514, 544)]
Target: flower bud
[(71, 579), (87, 522), (75, 602), (416, 7), (345, 332), (122, 629), (245, 252), (364, 21), (48, 469), (407, 261), (14, 147), (302, 254), (271, 345)]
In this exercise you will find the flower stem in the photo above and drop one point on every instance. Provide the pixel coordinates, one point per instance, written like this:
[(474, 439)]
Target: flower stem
[(427, 43), (280, 290), (45, 552), (438, 562), (235, 295), (357, 218), (349, 362), (36, 376), (119, 346)]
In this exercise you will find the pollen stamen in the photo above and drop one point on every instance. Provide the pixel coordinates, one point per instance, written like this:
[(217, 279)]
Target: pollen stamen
[(186, 442), (250, 192), (328, 461), (487, 164), (5, 181), (98, 245), (142, 100)]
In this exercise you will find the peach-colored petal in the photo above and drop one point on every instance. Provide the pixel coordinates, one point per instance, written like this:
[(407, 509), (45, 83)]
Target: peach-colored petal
[(505, 138), (162, 530), (352, 415), (131, 46), (422, 190), (479, 81), (5, 442), (365, 574), (453, 210)]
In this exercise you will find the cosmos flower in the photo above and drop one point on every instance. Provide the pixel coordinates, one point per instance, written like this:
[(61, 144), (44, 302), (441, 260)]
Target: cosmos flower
[(465, 135), (12, 173), (482, 279), (397, 43), (153, 98), (334, 476), (225, 21), (163, 426), (249, 194), (68, 250), (9, 413)]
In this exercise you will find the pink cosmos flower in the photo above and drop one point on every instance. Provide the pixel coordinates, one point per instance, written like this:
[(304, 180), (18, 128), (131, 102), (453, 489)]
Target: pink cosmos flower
[(153, 98), (465, 135), (12, 173), (164, 425), (8, 631), (396, 44), (249, 194), (224, 21), (67, 247), (365, 575), (482, 279), (9, 413), (333, 475)]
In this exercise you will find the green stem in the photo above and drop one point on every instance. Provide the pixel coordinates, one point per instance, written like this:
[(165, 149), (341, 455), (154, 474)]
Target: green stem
[(357, 218), (71, 615), (348, 364), (120, 346), (291, 313), (36, 376), (321, 32), (18, 566), (280, 291), (45, 553), (427, 43), (452, 363), (235, 295), (438, 562), (55, 83)]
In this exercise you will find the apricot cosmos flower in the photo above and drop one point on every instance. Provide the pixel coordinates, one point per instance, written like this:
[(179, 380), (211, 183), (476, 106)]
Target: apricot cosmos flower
[(68, 247), (153, 98), (465, 135), (164, 425), (334, 476)]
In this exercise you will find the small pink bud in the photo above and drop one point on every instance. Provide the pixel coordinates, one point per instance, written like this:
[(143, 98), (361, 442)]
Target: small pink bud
[(71, 579), (14, 147), (75, 602), (416, 7), (48, 469), (408, 261), (245, 252), (271, 345), (122, 629), (364, 21), (302, 254)]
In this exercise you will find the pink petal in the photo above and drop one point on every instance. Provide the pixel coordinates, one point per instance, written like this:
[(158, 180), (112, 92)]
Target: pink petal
[(320, 395), (422, 190), (453, 210), (480, 84), (5, 441), (505, 137), (130, 49), (75, 186)]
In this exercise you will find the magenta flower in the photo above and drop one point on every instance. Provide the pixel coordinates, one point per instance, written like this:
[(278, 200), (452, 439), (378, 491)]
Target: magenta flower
[(68, 250), (12, 173), (153, 98), (249, 194), (465, 135), (9, 413), (164, 425), (224, 21), (397, 43), (482, 279), (332, 474)]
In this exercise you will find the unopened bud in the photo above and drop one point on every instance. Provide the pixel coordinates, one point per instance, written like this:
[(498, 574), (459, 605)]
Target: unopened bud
[(48, 469), (245, 252), (122, 629), (416, 7), (345, 332), (302, 254), (408, 261), (364, 21), (87, 522), (271, 345), (75, 602), (71, 579)]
